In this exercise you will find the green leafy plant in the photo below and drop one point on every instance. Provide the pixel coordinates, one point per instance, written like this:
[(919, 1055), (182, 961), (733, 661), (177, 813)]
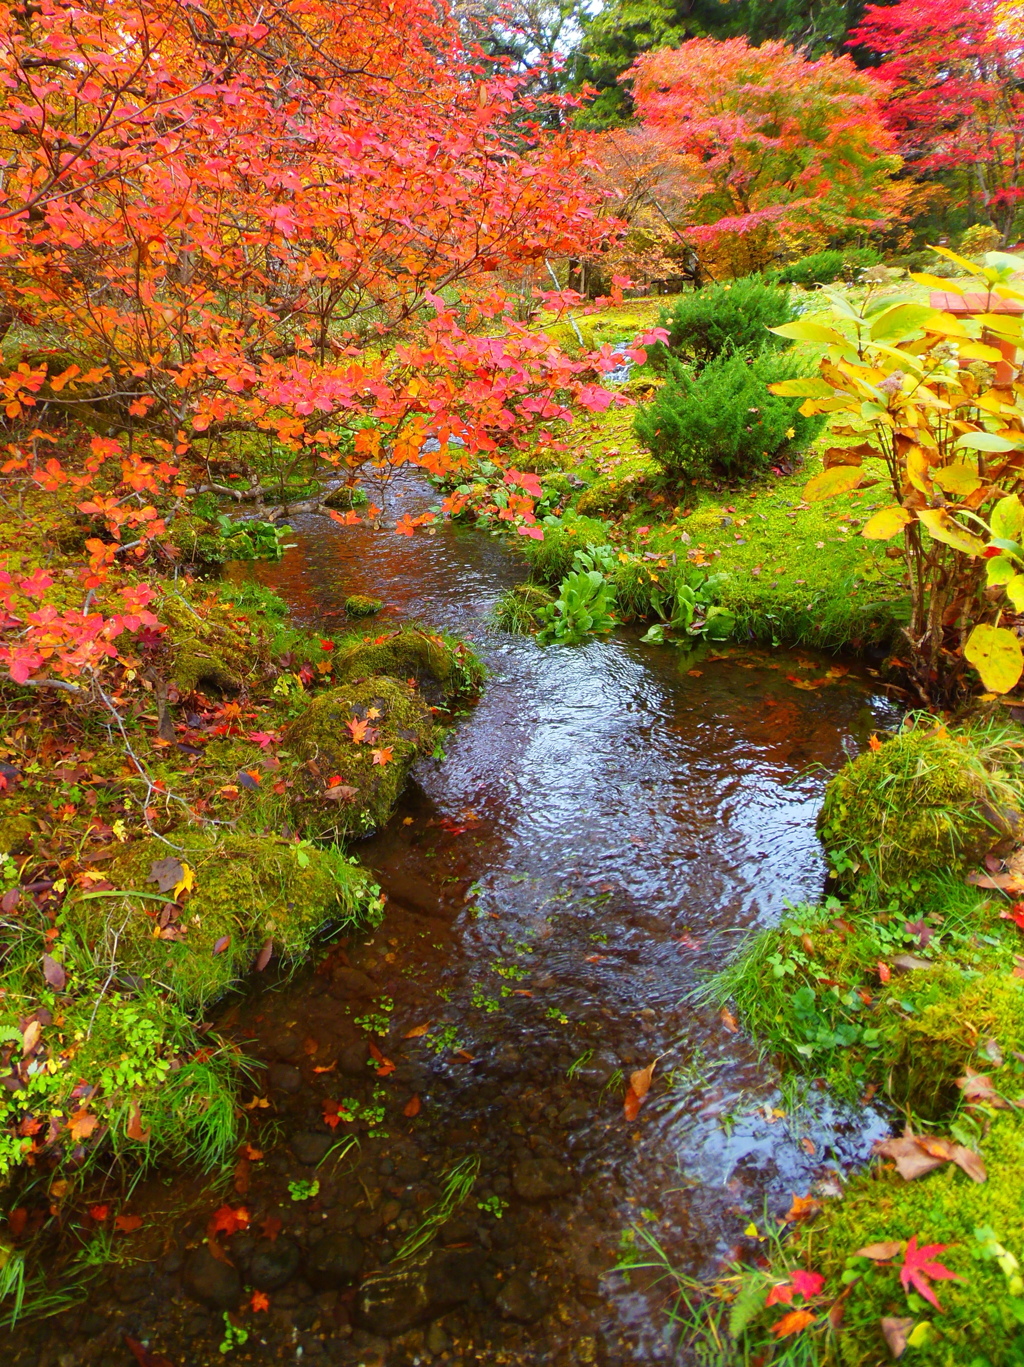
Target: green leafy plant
[(821, 268), (582, 609), (688, 610), (252, 540), (304, 1189), (948, 432), (234, 1335), (723, 420)]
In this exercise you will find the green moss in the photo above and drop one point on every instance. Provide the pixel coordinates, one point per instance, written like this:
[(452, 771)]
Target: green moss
[(358, 605), (980, 1323), (340, 790), (610, 494), (551, 558), (929, 798), (441, 665), (247, 889), (17, 831), (209, 645)]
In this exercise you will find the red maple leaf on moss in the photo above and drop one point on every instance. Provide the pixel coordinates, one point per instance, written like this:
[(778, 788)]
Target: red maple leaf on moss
[(919, 1266)]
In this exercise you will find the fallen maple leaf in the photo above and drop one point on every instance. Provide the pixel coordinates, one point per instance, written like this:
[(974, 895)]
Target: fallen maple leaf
[(919, 1269), (135, 1130), (874, 743), (918, 1154), (99, 1213), (227, 1220), (801, 1208), (81, 1125), (127, 1224), (357, 729), (792, 1323), (272, 1227), (384, 755), (383, 1065), (260, 1301), (1015, 914)]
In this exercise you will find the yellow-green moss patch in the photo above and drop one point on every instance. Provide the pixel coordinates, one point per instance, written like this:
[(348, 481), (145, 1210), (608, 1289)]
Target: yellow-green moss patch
[(247, 890)]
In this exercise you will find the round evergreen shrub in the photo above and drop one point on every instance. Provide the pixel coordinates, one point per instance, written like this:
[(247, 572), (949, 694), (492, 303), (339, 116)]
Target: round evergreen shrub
[(730, 317), (722, 420), (822, 268)]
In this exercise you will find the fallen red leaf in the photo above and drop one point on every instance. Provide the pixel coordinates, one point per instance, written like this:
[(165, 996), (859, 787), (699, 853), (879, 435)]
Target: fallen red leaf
[(127, 1224), (920, 1269), (227, 1220), (792, 1323), (260, 1301), (412, 1107)]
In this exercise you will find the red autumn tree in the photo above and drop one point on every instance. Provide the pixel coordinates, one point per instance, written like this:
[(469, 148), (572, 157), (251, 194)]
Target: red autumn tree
[(954, 75), (779, 144), (217, 232)]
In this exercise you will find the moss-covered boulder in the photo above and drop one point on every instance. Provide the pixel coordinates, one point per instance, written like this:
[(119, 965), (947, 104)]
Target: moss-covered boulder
[(359, 605), (930, 798), (441, 666), (357, 744), (210, 646), (245, 890), (982, 1312)]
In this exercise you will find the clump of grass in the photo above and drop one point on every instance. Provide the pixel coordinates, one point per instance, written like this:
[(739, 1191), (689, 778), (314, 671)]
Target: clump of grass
[(517, 608), (456, 1186)]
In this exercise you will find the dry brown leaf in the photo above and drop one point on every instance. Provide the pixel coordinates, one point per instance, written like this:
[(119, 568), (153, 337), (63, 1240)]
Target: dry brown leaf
[(910, 963), (916, 1155), (880, 1253), (30, 1038), (728, 1020), (412, 1107), (416, 1031), (801, 1208), (135, 1130), (951, 1152), (979, 1087), (895, 1329), (631, 1105), (640, 1081)]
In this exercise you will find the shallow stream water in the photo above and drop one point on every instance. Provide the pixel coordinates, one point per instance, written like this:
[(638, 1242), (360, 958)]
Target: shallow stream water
[(609, 821)]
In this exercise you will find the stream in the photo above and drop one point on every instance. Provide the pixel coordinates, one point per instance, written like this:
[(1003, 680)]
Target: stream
[(609, 822)]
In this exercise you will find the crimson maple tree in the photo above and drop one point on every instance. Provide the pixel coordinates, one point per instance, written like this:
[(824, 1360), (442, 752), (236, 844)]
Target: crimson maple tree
[(952, 75), (775, 144)]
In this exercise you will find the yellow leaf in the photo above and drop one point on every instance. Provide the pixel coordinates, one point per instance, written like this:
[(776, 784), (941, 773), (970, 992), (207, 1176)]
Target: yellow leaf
[(919, 470), (886, 523), (996, 654), (1015, 592), (840, 479), (185, 883), (944, 529), (959, 479)]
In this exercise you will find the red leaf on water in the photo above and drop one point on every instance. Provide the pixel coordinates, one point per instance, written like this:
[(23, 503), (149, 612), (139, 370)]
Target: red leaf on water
[(127, 1224), (227, 1220), (412, 1107)]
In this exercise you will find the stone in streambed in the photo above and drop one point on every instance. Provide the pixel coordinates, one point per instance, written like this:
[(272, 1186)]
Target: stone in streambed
[(310, 1148), (283, 1077), (335, 1261), (397, 1299), (539, 1179), (274, 1262), (523, 1300), (212, 1282)]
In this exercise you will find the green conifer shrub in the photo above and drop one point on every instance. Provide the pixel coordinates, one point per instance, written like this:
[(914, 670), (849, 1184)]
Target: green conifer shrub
[(730, 317)]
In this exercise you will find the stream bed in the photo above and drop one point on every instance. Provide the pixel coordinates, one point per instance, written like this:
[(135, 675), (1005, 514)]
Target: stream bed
[(609, 821)]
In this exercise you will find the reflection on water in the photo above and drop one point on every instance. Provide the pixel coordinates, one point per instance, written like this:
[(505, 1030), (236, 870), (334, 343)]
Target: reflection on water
[(608, 822)]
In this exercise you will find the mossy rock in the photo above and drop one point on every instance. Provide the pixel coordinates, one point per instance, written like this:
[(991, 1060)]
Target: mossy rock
[(210, 646), (930, 798), (359, 605), (248, 889), (611, 494), (981, 1320), (955, 1012), (345, 498), (341, 790), (441, 666)]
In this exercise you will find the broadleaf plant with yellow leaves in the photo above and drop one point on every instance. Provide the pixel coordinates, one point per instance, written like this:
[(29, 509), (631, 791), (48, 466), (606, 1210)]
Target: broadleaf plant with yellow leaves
[(941, 396)]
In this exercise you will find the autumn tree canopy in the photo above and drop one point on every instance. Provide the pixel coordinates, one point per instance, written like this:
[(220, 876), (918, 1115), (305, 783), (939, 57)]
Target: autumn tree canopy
[(777, 144)]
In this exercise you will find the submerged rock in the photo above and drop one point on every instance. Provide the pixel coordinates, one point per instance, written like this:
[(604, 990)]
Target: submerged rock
[(539, 1179), (273, 1264), (523, 1299), (335, 1261), (212, 1282), (406, 1295)]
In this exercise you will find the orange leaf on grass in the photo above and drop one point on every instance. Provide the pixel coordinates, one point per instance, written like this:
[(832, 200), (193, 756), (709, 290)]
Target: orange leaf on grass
[(792, 1323), (82, 1124)]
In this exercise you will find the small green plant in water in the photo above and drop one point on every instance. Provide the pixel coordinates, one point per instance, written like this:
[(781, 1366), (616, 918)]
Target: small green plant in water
[(493, 1205), (688, 611), (303, 1189), (234, 1335), (253, 540)]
